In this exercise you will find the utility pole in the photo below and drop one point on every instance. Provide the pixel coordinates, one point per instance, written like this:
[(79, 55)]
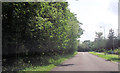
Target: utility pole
[(104, 37), (103, 30)]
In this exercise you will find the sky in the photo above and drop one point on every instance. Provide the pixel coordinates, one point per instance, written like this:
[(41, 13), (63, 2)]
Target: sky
[(95, 14)]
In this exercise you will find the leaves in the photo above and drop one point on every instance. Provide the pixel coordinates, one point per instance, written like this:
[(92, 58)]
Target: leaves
[(42, 27)]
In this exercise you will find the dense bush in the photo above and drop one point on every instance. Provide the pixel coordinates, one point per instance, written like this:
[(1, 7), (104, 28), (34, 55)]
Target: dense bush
[(38, 29)]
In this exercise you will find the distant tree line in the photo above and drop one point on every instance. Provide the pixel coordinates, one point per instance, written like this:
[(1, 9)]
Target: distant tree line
[(101, 44), (38, 28)]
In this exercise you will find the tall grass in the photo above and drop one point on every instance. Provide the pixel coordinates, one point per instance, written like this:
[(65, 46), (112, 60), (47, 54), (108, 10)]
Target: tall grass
[(109, 57), (53, 62)]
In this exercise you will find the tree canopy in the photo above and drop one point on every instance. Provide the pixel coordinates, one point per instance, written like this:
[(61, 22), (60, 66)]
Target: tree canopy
[(42, 27)]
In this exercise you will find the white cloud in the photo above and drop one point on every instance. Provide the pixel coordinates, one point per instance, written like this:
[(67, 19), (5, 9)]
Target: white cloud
[(95, 13)]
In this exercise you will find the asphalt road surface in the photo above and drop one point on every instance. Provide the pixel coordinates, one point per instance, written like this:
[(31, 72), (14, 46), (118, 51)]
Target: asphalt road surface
[(84, 61)]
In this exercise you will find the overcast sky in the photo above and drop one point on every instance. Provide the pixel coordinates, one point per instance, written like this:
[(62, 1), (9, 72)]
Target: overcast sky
[(95, 13)]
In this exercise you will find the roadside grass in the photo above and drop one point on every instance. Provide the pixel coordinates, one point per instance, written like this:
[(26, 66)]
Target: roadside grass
[(108, 57), (53, 63)]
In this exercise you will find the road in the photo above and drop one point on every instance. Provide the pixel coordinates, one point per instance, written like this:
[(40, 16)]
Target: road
[(84, 61)]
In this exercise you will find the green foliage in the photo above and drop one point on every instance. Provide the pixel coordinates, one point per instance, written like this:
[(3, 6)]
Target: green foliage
[(99, 35), (42, 28), (101, 44), (53, 63), (113, 41), (110, 57), (87, 45)]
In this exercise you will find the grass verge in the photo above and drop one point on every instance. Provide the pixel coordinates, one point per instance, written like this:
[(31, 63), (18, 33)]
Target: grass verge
[(108, 57), (53, 63)]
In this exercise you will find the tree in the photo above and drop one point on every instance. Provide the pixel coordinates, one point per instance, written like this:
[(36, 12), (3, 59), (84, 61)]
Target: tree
[(87, 45), (112, 42), (39, 29), (98, 36)]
